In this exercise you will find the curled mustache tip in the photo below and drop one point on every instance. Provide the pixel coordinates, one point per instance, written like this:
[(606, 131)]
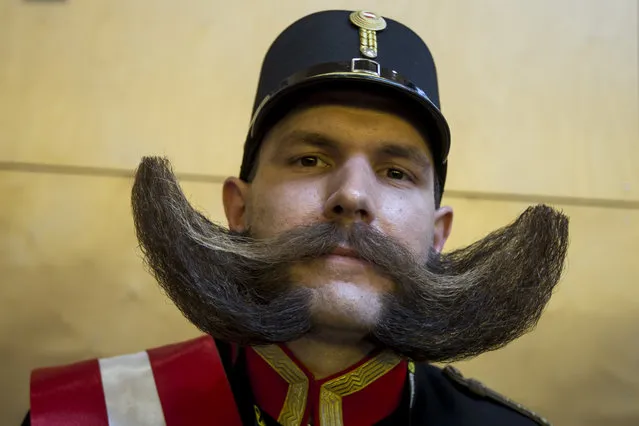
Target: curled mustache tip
[(153, 166), (550, 217), (150, 171), (544, 210)]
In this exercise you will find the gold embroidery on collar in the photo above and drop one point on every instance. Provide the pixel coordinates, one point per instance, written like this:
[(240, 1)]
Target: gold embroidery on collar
[(258, 416), (332, 392), (292, 412)]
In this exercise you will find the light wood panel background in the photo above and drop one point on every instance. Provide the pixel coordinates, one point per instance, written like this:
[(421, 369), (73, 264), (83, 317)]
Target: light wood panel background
[(542, 98)]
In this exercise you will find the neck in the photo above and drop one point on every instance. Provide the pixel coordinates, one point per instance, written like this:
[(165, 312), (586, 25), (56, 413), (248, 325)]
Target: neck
[(325, 357)]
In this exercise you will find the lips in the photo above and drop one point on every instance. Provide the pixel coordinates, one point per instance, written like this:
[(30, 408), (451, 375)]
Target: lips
[(345, 252), (347, 257)]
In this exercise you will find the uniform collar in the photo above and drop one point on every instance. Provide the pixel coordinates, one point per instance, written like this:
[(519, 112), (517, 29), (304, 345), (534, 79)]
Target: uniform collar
[(363, 394)]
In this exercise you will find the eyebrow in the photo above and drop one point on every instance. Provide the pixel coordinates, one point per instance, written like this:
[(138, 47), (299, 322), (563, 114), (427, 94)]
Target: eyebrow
[(386, 149), (410, 153), (302, 137)]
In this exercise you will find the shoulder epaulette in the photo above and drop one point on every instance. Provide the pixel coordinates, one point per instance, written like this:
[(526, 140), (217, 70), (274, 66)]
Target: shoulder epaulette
[(478, 388), (166, 383)]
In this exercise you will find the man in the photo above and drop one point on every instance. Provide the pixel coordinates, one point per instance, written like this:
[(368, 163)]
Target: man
[(328, 298)]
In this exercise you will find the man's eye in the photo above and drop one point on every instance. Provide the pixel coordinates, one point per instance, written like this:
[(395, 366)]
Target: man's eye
[(311, 161), (396, 174)]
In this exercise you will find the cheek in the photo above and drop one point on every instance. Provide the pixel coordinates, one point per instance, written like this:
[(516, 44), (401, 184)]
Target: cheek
[(282, 207), (410, 221)]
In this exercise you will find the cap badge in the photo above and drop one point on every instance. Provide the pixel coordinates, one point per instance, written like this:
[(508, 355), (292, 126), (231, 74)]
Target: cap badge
[(369, 23)]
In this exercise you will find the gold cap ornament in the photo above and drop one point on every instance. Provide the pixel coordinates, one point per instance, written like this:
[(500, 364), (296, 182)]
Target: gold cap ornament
[(369, 23)]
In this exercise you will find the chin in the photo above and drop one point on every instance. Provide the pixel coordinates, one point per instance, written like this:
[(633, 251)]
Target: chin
[(346, 306)]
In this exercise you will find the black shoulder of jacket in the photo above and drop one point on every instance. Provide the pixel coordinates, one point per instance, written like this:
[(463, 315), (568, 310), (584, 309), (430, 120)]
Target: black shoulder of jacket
[(478, 389), (27, 419), (445, 397)]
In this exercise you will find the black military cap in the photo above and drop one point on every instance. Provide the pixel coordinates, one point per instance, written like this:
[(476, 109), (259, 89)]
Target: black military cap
[(342, 49)]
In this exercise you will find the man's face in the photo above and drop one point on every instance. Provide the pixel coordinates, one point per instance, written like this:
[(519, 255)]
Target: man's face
[(339, 163), (334, 177)]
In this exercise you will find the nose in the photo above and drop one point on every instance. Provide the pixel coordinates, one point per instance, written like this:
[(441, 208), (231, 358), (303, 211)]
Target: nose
[(352, 193)]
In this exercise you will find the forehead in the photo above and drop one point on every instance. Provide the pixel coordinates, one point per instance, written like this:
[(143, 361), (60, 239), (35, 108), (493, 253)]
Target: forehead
[(354, 119)]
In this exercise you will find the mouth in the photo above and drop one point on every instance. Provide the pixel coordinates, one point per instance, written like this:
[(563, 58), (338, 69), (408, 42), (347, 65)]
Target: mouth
[(345, 252), (346, 256)]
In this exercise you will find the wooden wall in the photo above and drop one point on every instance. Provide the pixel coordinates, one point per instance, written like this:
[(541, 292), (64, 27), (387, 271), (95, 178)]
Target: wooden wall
[(543, 102)]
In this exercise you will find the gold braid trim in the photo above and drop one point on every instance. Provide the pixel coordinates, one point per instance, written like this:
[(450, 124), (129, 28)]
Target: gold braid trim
[(332, 392), (292, 412)]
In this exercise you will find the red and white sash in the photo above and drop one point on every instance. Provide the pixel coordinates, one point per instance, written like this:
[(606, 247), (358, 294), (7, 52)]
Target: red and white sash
[(180, 384)]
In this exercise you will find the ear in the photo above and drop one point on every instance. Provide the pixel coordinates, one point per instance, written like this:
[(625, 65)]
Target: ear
[(443, 227), (234, 196)]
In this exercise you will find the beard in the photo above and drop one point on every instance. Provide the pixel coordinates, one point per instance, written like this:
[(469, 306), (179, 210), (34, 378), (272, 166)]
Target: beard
[(451, 307)]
